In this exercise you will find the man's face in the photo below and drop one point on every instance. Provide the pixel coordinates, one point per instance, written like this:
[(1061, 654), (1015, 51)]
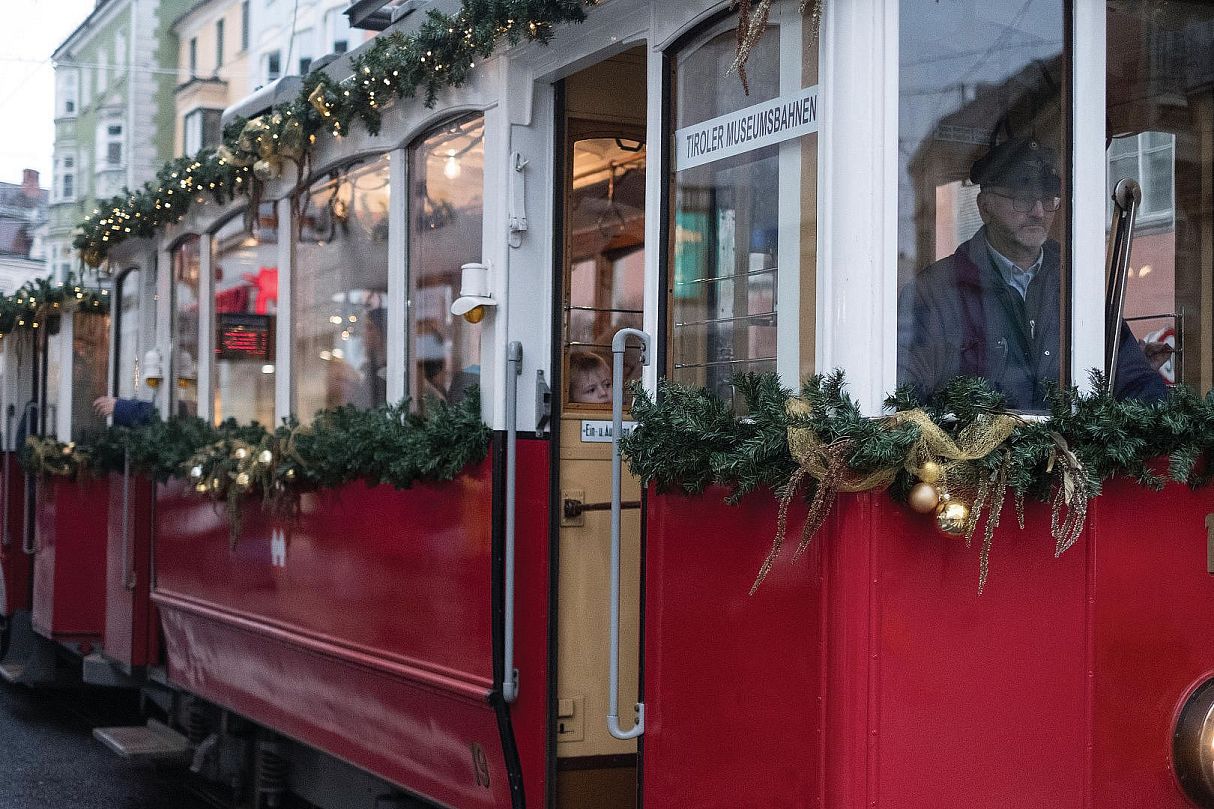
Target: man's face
[(1021, 231)]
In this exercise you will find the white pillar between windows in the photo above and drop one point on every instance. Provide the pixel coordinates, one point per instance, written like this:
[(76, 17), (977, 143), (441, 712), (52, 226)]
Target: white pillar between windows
[(1088, 202), (858, 209), (398, 276), (206, 329), (788, 259), (163, 338), (283, 365)]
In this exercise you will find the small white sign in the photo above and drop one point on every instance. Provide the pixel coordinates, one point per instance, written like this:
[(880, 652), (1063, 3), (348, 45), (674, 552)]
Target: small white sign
[(278, 548), (773, 121), (599, 432)]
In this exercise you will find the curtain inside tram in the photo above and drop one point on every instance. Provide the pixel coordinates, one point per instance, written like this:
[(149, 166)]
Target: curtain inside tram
[(1161, 133), (446, 215), (244, 265), (340, 290)]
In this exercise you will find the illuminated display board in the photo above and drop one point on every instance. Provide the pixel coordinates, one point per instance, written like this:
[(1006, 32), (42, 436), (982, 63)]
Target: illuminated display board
[(244, 337)]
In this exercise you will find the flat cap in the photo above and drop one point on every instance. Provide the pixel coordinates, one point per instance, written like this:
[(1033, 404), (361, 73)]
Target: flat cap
[(1018, 163)]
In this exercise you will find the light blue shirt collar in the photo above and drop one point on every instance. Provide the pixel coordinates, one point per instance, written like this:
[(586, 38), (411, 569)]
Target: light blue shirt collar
[(1015, 277)]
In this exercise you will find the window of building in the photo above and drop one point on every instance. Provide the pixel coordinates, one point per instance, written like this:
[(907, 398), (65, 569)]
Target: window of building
[(111, 146), (305, 65), (244, 265), (446, 215), (134, 329), (742, 272), (67, 178), (184, 359), (982, 157), (193, 57), (273, 66), (218, 43), (201, 128), (103, 70), (337, 30), (1148, 158), (340, 290), (90, 372), (67, 81), (244, 26)]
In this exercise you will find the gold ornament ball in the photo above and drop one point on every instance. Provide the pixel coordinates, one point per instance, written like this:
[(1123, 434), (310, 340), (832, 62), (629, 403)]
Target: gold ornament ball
[(951, 517), (242, 480), (930, 472), (924, 498), (201, 488), (289, 474), (265, 457), (241, 453), (196, 473)]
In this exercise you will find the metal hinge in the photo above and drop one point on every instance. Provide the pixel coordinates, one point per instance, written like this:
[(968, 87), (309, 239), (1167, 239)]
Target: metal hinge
[(543, 404)]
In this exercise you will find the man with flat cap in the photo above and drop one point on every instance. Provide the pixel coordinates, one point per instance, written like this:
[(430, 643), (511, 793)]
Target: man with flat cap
[(992, 308)]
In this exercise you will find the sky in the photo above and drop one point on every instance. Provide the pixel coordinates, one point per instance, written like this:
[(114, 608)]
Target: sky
[(30, 30)]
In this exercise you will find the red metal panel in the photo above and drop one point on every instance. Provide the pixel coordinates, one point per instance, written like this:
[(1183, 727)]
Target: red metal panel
[(129, 613), (1154, 617), (363, 626), (14, 562), (69, 566), (733, 683)]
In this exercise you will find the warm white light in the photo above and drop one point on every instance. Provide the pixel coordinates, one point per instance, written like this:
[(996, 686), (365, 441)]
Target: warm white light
[(339, 354), (335, 320), (326, 355), (451, 167), (267, 369)]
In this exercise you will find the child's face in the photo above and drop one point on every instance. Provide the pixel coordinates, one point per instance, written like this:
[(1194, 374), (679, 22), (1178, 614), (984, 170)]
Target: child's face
[(591, 387)]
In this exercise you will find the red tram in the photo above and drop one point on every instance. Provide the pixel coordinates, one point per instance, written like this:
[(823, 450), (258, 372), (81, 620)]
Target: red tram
[(491, 641)]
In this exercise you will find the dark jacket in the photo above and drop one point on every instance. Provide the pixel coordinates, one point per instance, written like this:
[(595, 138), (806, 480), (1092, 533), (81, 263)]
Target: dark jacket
[(960, 318), (133, 413)]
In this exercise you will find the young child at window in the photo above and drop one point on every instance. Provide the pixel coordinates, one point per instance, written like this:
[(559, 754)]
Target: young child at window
[(589, 378)]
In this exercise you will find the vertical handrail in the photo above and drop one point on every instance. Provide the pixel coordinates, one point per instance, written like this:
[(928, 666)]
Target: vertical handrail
[(128, 564), (618, 346), (1127, 195), (6, 531), (514, 367), (27, 540)]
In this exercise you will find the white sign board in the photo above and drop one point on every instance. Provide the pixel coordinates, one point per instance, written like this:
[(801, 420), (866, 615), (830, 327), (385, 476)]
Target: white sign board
[(599, 432), (773, 121)]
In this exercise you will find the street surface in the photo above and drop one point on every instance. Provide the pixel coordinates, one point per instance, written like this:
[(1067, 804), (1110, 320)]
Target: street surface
[(49, 759)]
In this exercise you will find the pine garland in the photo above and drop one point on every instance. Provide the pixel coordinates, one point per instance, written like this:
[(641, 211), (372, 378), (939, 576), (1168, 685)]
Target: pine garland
[(29, 307), (231, 463)]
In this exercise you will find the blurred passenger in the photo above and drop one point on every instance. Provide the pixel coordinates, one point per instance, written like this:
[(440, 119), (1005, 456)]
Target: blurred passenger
[(589, 378)]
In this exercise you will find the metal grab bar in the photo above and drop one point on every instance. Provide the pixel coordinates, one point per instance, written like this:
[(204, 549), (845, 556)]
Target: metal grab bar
[(31, 506), (128, 563), (514, 367), (617, 427), (1127, 196)]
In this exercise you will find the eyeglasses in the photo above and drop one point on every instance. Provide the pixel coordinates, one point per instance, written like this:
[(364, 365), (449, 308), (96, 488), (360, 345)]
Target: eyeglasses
[(1025, 203)]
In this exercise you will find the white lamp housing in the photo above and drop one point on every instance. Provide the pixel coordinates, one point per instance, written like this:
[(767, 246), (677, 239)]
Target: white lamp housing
[(473, 289)]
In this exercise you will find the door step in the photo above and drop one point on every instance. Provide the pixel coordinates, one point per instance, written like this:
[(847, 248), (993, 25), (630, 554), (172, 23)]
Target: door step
[(12, 672), (153, 741)]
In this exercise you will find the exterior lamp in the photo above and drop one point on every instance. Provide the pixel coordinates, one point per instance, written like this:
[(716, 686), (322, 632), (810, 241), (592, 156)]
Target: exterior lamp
[(474, 293), (153, 368)]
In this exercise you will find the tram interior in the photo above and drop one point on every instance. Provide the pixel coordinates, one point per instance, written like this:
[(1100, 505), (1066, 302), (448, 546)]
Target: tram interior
[(601, 276)]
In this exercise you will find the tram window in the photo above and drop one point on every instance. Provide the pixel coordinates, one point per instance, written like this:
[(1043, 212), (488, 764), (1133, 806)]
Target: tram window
[(244, 265), (446, 199), (1160, 114), (604, 289), (737, 219), (339, 286), (90, 350), (186, 274), (127, 352), (982, 167)]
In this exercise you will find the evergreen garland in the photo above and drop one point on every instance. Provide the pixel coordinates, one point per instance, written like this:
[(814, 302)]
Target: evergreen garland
[(39, 299)]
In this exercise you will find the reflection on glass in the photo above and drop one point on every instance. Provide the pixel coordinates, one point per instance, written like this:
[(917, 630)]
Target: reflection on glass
[(1160, 125), (128, 351), (446, 211), (184, 361), (340, 285), (725, 226), (90, 366), (53, 345), (981, 159), (245, 268), (605, 288)]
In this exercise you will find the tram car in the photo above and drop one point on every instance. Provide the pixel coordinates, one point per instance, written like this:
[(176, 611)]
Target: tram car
[(655, 198)]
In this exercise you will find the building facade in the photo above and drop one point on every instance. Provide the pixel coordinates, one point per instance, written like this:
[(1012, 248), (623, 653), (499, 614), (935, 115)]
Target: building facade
[(23, 228), (213, 69), (114, 79)]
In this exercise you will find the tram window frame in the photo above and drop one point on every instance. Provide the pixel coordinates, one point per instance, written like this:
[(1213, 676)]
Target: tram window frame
[(580, 131), (176, 381), (122, 282), (797, 67)]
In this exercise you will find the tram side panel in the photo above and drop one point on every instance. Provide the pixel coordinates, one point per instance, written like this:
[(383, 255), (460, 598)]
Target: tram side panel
[(14, 561), (131, 637), (69, 560), (362, 626)]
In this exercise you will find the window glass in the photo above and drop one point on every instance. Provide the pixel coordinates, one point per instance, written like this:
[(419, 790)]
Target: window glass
[(731, 226), (982, 162), (184, 361), (128, 353), (1160, 114), (446, 171), (604, 290), (90, 368), (245, 269), (340, 285)]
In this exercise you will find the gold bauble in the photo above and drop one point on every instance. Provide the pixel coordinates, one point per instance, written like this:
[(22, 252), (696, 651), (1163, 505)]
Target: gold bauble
[(951, 517), (241, 453), (242, 480), (289, 474), (924, 498), (196, 473), (265, 457), (930, 472), (92, 256), (266, 170), (201, 488)]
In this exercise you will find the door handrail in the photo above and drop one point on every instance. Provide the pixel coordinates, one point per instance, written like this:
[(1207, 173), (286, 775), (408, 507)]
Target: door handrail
[(618, 343), (31, 527), (514, 367), (1127, 196)]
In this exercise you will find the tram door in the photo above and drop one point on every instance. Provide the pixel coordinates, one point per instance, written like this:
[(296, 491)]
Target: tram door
[(600, 283), (1160, 117)]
